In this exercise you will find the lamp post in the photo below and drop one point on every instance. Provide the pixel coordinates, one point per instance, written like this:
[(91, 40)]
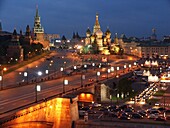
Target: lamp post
[(97, 75), (124, 67), (37, 89), (65, 82), (82, 78), (108, 71), (85, 67), (61, 69), (117, 76), (93, 64), (75, 67), (2, 77), (117, 70), (26, 75), (47, 72)]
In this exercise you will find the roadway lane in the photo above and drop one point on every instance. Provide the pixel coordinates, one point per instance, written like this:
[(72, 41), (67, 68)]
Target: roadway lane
[(42, 64), (13, 98)]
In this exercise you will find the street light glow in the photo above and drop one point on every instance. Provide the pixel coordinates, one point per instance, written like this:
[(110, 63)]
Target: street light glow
[(65, 82), (25, 74), (112, 69), (75, 67), (38, 88), (39, 73), (46, 71), (61, 69), (98, 73), (0, 78)]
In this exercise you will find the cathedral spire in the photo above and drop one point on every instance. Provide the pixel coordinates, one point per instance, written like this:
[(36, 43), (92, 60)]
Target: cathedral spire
[(97, 20), (36, 11), (97, 25)]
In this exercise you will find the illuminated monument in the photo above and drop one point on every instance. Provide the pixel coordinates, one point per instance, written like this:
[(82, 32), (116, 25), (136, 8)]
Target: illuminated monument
[(103, 41), (38, 31)]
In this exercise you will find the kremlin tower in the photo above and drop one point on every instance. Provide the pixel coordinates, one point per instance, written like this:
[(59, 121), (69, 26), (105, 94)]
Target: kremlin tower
[(38, 31)]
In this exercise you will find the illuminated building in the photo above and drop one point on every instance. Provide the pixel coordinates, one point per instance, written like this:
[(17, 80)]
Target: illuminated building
[(102, 40), (38, 32), (155, 50), (130, 45), (15, 50)]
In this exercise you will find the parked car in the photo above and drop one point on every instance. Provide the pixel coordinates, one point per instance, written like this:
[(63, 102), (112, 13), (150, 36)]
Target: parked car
[(152, 116), (137, 116), (160, 118), (124, 118)]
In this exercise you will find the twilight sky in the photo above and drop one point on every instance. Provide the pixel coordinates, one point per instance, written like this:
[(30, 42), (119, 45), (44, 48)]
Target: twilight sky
[(131, 17)]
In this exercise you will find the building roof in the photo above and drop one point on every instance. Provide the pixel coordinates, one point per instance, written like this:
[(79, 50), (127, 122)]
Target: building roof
[(155, 44)]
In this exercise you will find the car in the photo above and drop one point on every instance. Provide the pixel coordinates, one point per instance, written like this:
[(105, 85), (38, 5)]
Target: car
[(103, 76), (162, 109), (125, 114), (152, 116), (137, 116), (124, 118), (160, 118), (112, 114), (91, 80), (128, 110)]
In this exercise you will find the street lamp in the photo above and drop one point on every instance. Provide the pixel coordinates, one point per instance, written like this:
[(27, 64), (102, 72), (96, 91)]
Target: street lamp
[(2, 77), (37, 89), (117, 88), (117, 70), (85, 67), (124, 68), (82, 78), (112, 69), (61, 69), (75, 67), (135, 63), (129, 66), (93, 64), (26, 75), (108, 71), (65, 82), (47, 72), (97, 75), (1, 82)]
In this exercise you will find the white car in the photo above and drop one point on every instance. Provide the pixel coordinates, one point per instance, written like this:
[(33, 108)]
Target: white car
[(152, 116)]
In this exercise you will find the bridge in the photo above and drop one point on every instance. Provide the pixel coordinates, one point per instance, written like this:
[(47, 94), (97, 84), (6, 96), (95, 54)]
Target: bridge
[(60, 110)]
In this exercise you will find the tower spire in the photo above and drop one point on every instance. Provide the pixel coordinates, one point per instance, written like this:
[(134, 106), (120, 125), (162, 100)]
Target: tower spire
[(97, 25), (36, 11), (97, 19)]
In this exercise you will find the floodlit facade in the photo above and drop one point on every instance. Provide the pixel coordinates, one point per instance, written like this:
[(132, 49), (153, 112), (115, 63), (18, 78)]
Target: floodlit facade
[(103, 40)]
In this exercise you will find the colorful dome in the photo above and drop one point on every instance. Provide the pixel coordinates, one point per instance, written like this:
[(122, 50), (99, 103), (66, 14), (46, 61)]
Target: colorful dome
[(107, 31), (99, 33), (88, 31)]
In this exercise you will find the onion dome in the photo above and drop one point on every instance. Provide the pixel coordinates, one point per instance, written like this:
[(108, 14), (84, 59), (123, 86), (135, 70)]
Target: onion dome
[(99, 33), (107, 31), (88, 31), (15, 32)]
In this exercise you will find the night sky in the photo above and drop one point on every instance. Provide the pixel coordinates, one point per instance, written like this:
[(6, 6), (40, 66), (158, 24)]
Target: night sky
[(131, 17)]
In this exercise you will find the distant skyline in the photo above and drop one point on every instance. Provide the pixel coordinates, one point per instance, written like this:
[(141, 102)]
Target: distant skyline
[(63, 17)]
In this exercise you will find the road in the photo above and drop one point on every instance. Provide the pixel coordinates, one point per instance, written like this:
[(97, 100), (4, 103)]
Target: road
[(16, 97)]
